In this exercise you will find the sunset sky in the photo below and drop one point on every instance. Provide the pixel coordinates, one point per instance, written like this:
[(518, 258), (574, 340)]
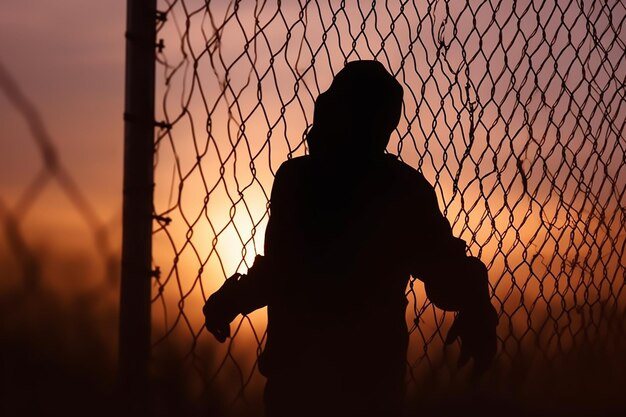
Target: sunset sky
[(68, 60)]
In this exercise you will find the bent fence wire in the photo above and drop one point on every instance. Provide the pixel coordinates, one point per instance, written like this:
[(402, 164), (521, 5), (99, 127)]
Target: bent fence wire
[(16, 208), (515, 113)]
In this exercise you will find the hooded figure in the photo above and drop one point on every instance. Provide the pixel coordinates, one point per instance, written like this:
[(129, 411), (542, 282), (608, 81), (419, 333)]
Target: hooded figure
[(349, 225), (355, 117)]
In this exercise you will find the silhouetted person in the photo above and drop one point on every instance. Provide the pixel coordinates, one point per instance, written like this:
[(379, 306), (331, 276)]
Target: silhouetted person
[(349, 225)]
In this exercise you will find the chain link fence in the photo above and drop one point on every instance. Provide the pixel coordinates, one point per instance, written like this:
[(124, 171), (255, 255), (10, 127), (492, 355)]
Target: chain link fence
[(514, 111)]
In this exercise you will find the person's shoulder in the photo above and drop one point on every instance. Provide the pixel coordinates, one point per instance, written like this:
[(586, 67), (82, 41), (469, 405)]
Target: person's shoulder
[(405, 172), (294, 167), (416, 190), (295, 164)]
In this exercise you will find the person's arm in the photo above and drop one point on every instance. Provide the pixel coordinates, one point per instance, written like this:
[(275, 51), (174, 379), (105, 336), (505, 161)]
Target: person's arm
[(455, 282), (244, 293), (239, 294)]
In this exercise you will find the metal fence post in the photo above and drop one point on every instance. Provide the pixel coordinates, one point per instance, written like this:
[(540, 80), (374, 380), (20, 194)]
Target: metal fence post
[(134, 325)]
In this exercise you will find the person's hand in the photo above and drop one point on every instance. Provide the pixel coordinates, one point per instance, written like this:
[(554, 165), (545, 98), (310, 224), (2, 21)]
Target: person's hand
[(476, 330), (218, 328), (218, 310)]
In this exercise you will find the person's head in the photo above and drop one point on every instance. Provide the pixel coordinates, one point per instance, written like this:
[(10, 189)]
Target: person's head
[(357, 114)]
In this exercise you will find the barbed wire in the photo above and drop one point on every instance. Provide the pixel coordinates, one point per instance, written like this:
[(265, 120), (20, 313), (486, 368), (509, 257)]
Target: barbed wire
[(515, 114)]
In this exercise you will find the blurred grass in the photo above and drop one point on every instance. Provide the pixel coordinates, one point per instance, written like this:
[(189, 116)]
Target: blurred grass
[(59, 345), (57, 354)]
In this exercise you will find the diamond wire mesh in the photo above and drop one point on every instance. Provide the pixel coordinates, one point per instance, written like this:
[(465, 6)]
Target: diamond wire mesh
[(514, 113)]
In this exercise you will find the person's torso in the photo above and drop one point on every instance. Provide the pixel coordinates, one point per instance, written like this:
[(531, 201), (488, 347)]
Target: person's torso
[(353, 237)]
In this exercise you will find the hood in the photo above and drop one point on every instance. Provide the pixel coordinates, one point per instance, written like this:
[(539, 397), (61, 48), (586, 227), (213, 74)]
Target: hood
[(356, 115)]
